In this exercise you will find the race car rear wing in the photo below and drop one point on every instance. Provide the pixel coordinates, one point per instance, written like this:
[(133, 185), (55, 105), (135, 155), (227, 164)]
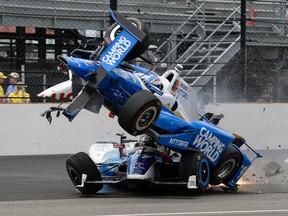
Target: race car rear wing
[(124, 42), (127, 25)]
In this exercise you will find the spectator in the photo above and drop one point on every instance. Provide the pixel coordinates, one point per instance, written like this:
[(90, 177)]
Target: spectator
[(252, 13), (149, 55), (286, 15), (14, 78), (2, 77), (19, 95), (266, 96), (188, 2)]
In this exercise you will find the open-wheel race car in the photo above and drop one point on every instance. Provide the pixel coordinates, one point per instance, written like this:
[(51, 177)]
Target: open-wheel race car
[(186, 147)]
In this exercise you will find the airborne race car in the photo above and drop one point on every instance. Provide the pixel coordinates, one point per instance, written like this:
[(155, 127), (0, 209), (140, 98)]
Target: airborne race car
[(196, 153)]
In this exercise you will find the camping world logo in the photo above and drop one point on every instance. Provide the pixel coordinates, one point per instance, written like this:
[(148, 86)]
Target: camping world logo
[(209, 144), (117, 50)]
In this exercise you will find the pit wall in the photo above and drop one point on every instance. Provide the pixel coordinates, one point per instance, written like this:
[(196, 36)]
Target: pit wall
[(24, 132)]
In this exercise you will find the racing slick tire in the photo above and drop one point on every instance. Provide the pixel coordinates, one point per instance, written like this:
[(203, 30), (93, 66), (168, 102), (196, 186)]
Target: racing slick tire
[(193, 163), (140, 48), (79, 164), (139, 113), (226, 166)]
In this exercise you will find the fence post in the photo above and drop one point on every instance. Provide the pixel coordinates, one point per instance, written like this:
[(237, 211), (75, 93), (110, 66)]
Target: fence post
[(243, 51), (20, 47), (44, 85), (23, 81), (113, 6)]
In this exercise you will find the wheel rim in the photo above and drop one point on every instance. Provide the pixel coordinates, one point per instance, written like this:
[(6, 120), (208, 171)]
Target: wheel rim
[(116, 31), (204, 172), (226, 168), (75, 178), (146, 118)]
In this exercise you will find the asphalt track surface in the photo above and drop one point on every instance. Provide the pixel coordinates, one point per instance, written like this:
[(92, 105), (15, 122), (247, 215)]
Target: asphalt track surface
[(39, 185)]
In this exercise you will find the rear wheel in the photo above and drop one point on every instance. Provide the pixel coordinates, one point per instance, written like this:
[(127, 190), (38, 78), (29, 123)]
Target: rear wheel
[(79, 164), (193, 163), (139, 112), (226, 166)]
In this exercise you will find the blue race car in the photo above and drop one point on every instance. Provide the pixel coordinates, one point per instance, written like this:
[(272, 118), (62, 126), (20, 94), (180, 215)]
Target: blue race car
[(197, 153)]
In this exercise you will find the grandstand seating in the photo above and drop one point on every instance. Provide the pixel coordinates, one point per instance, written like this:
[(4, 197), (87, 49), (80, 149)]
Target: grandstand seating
[(212, 26)]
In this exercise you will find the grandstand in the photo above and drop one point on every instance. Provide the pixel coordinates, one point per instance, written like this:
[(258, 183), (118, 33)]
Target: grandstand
[(205, 37)]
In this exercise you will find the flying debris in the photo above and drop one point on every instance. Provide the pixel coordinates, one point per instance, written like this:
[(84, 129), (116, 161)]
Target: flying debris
[(272, 168)]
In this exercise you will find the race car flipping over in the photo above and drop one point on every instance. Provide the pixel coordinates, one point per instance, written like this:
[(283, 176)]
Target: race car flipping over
[(162, 107)]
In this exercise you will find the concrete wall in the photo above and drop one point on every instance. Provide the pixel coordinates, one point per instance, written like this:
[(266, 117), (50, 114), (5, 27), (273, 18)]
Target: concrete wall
[(24, 132), (264, 126)]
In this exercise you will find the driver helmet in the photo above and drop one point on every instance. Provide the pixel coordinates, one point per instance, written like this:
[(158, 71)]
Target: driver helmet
[(154, 80), (145, 140)]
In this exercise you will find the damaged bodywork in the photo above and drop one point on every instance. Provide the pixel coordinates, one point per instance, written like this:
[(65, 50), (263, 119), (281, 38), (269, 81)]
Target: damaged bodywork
[(197, 153)]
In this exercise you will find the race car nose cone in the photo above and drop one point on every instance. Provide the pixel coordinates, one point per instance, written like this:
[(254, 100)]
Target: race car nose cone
[(41, 95)]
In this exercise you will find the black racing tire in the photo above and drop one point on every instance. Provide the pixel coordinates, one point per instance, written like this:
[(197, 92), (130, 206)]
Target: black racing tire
[(139, 113), (226, 166), (79, 164), (194, 163), (140, 48)]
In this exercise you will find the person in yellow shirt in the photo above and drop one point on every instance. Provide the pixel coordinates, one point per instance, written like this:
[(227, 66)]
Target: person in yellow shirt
[(2, 77), (19, 95)]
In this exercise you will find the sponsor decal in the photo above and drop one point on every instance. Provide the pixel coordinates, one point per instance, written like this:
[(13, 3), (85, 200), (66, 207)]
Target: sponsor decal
[(183, 94), (207, 143), (243, 170), (180, 88), (178, 142), (176, 85), (182, 85), (119, 145), (61, 95), (116, 51), (117, 93)]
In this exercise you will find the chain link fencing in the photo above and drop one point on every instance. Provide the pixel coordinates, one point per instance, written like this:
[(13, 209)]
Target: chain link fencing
[(231, 51)]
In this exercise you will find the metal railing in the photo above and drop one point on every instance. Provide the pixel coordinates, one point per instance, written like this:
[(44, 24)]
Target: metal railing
[(34, 32)]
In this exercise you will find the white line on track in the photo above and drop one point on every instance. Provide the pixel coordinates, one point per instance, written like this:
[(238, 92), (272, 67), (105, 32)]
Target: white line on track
[(206, 213)]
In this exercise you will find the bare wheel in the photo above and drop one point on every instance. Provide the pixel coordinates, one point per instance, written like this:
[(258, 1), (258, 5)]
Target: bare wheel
[(226, 166), (140, 112), (79, 164), (146, 118)]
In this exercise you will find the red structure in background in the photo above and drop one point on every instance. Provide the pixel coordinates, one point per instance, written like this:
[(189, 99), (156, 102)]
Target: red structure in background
[(28, 30), (252, 13)]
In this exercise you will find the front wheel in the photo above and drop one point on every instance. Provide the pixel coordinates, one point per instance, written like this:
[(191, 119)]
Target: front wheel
[(139, 112), (193, 163), (79, 164)]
